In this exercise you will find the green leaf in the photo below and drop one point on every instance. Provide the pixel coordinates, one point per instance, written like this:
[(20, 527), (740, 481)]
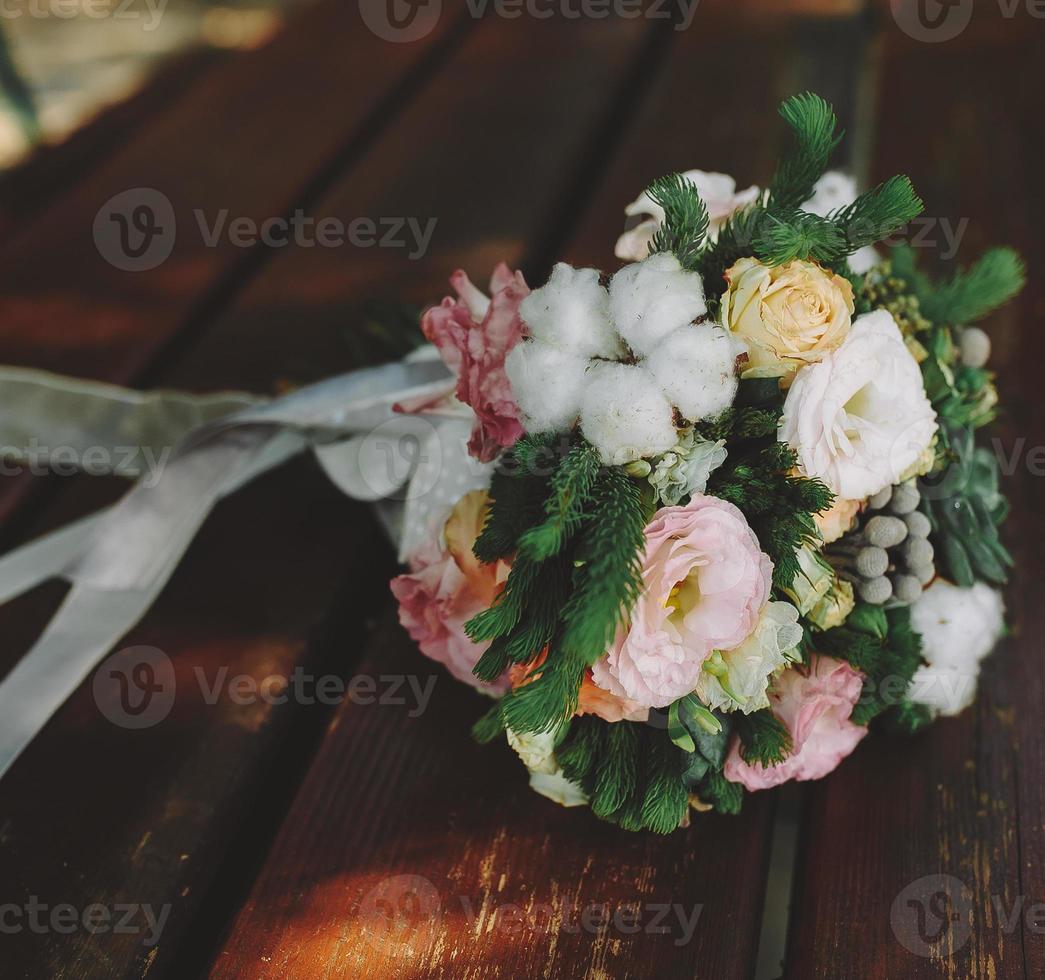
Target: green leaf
[(677, 732)]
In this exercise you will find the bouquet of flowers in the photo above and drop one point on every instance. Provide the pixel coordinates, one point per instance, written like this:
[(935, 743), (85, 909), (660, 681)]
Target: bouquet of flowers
[(733, 511)]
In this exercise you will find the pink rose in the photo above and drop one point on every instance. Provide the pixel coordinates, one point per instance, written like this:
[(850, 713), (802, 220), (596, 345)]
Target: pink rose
[(473, 334), (706, 581), (447, 587), (815, 703)]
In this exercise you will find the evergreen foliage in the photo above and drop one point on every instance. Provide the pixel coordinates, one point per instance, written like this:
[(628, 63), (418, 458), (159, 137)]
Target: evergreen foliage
[(631, 772), (888, 661), (764, 738), (971, 293), (686, 219)]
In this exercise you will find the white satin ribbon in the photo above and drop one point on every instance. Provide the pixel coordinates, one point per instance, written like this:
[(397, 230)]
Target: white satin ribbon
[(119, 560)]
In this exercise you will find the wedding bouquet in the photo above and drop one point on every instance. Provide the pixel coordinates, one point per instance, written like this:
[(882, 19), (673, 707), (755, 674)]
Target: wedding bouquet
[(731, 510)]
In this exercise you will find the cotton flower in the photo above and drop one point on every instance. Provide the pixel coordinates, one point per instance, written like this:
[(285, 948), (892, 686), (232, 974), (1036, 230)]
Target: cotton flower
[(860, 417), (959, 628), (575, 365), (571, 311), (473, 335), (548, 384), (746, 671), (705, 582), (719, 194), (623, 414), (685, 468), (789, 315), (447, 586), (814, 703), (653, 298), (695, 368)]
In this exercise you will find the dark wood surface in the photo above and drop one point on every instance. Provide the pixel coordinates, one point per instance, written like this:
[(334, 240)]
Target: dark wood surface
[(362, 840)]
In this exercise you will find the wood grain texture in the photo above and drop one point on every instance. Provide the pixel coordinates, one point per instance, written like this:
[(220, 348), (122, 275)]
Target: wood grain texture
[(284, 577), (253, 139), (963, 800)]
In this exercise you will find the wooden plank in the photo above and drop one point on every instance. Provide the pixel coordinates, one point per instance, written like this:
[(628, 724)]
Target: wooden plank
[(286, 575), (959, 807), (412, 852), (52, 168), (253, 140)]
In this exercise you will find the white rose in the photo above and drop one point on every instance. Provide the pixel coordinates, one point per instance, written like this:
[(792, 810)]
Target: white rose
[(537, 752), (959, 628), (860, 417), (719, 194)]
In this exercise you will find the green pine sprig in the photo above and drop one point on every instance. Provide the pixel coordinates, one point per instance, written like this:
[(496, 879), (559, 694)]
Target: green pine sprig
[(764, 739), (685, 223), (814, 128), (972, 293)]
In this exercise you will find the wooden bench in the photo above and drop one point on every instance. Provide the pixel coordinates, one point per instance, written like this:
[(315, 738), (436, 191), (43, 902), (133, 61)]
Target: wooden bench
[(297, 840)]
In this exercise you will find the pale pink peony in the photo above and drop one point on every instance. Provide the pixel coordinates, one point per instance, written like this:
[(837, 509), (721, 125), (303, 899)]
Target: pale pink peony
[(446, 587), (706, 581), (473, 334), (815, 703)]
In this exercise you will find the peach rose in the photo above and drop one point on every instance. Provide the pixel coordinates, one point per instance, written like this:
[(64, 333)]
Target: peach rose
[(706, 581), (788, 315), (591, 699), (815, 703), (446, 587)]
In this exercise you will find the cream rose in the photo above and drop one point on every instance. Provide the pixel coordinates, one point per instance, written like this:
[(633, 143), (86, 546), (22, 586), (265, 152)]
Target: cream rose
[(788, 315)]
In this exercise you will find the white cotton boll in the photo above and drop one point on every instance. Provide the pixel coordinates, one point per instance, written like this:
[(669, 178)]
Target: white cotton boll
[(571, 311), (959, 628), (547, 384), (624, 416), (695, 368), (652, 298)]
